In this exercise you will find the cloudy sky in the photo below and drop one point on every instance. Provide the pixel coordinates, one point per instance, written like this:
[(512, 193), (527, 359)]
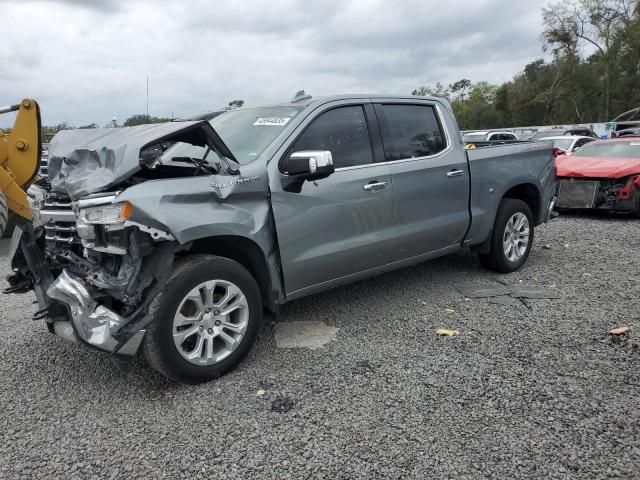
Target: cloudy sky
[(87, 60)]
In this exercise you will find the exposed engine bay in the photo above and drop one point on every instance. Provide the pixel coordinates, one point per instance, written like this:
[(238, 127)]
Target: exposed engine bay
[(98, 242), (93, 267), (620, 195)]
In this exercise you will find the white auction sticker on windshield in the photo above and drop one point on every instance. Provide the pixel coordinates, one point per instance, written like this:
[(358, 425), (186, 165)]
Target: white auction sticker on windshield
[(273, 121)]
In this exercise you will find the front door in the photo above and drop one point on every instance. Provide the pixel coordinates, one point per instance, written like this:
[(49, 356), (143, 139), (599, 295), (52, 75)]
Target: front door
[(340, 225)]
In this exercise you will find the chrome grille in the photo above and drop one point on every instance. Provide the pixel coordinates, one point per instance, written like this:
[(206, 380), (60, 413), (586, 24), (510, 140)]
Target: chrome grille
[(59, 220), (58, 202), (44, 161), (44, 171)]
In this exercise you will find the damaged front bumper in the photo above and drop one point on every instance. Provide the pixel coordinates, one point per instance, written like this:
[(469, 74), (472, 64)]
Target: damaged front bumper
[(93, 282), (90, 322)]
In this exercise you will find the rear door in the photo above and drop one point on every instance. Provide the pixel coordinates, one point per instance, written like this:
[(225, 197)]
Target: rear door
[(430, 177), (341, 225)]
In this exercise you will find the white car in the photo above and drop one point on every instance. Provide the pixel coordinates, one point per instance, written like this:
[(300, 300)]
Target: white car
[(473, 137), (569, 143)]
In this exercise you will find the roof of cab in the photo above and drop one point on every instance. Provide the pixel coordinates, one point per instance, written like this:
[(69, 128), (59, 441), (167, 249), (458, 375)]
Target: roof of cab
[(308, 100)]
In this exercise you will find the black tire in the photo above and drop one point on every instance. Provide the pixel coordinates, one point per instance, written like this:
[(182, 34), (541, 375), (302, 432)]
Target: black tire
[(496, 259), (159, 349), (4, 214)]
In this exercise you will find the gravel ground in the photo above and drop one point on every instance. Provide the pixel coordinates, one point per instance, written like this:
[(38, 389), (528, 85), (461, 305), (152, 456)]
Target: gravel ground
[(540, 393)]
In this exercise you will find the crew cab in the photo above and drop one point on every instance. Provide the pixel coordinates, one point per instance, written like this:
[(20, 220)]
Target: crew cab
[(181, 252)]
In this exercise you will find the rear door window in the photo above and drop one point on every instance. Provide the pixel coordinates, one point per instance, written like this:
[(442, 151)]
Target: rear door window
[(344, 132), (410, 131)]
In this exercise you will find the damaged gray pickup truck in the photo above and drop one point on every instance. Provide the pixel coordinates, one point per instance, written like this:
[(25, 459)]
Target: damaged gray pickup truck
[(174, 238)]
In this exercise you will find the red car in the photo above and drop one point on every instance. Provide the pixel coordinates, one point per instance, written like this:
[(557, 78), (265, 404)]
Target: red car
[(603, 175)]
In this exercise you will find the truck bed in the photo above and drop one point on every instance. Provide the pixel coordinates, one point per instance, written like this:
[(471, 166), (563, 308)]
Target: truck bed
[(495, 169), (492, 143)]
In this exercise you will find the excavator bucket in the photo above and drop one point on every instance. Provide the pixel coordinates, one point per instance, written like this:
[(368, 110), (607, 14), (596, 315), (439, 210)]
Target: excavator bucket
[(19, 159)]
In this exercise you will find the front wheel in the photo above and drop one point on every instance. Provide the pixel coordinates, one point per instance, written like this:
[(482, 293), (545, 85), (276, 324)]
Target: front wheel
[(205, 321), (512, 237)]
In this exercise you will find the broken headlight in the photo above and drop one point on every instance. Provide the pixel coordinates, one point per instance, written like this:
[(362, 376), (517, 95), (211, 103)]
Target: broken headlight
[(110, 214)]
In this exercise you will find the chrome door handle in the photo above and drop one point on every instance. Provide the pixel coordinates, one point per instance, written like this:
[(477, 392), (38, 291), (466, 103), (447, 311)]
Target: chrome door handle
[(373, 187), (455, 173)]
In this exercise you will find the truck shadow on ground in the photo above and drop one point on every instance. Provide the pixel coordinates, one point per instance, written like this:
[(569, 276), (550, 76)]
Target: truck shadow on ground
[(389, 287), (55, 357)]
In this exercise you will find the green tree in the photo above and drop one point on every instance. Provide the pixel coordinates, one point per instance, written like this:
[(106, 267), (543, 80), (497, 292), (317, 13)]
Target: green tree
[(234, 104), (626, 65), (438, 90), (140, 119), (594, 73), (594, 22), (473, 104), (460, 88), (48, 132)]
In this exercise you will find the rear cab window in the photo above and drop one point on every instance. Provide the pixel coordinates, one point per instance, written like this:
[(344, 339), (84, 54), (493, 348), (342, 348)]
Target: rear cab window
[(410, 131)]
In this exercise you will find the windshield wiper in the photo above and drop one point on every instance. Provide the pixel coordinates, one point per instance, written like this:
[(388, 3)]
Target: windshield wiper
[(202, 163), (199, 162), (231, 169)]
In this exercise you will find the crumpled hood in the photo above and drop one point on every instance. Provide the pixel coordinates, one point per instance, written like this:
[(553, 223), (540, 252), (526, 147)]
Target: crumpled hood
[(87, 161), (597, 167)]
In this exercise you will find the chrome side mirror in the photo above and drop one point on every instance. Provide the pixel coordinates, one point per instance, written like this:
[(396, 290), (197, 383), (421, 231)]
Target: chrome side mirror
[(306, 165)]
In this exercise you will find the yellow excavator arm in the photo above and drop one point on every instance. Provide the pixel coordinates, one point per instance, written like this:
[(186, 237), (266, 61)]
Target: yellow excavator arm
[(20, 153)]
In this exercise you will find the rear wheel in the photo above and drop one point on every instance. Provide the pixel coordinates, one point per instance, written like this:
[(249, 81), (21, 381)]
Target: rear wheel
[(4, 214), (512, 237), (206, 320)]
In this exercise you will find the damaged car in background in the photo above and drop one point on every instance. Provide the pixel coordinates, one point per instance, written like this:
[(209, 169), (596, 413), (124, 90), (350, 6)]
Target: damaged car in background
[(174, 238), (602, 175)]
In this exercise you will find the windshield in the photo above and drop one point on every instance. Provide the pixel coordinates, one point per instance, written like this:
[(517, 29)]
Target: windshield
[(246, 132), (562, 144), (474, 137), (617, 149), (546, 133)]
